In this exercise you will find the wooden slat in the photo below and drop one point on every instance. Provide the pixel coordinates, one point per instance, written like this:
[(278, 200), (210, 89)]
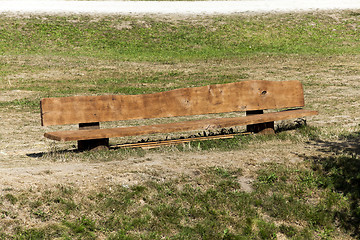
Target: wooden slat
[(239, 96), (156, 144), (178, 127)]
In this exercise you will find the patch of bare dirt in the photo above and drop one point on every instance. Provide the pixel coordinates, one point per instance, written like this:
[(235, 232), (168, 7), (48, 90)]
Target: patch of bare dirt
[(40, 173)]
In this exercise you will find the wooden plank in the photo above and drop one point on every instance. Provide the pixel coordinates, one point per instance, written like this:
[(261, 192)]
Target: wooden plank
[(220, 98), (156, 144), (178, 127)]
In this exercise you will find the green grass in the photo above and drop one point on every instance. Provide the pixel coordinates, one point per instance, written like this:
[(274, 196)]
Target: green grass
[(210, 206), (69, 55), (20, 104), (150, 39)]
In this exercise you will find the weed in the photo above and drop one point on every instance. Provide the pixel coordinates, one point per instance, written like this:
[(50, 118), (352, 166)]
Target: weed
[(289, 231), (40, 214), (83, 227), (68, 205), (268, 179), (310, 132), (267, 230), (30, 234), (66, 190), (11, 198), (221, 172)]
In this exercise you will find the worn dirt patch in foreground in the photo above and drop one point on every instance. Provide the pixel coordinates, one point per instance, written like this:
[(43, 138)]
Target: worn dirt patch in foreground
[(158, 166)]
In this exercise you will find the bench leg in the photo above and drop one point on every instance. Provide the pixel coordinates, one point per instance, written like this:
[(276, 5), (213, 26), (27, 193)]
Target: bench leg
[(262, 128), (92, 144)]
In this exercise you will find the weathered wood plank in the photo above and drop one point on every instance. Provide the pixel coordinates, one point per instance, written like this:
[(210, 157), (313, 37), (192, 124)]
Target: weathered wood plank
[(178, 127), (239, 96), (156, 144)]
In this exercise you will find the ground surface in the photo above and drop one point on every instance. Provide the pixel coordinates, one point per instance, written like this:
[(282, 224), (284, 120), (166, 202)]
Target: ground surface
[(174, 7), (28, 160)]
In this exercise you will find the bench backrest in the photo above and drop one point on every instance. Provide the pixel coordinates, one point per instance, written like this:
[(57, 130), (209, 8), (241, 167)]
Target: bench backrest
[(219, 98)]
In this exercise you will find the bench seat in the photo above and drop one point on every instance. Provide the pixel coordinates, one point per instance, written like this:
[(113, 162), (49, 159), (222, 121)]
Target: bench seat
[(178, 126)]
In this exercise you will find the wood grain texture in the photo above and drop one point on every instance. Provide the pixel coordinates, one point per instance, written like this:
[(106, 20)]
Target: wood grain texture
[(220, 98), (178, 127), (156, 144)]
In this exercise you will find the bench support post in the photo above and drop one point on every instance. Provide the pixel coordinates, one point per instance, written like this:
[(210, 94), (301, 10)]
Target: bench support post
[(100, 143), (262, 128)]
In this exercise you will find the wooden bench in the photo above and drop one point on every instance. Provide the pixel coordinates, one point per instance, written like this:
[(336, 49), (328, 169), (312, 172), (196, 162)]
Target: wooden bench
[(251, 97)]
